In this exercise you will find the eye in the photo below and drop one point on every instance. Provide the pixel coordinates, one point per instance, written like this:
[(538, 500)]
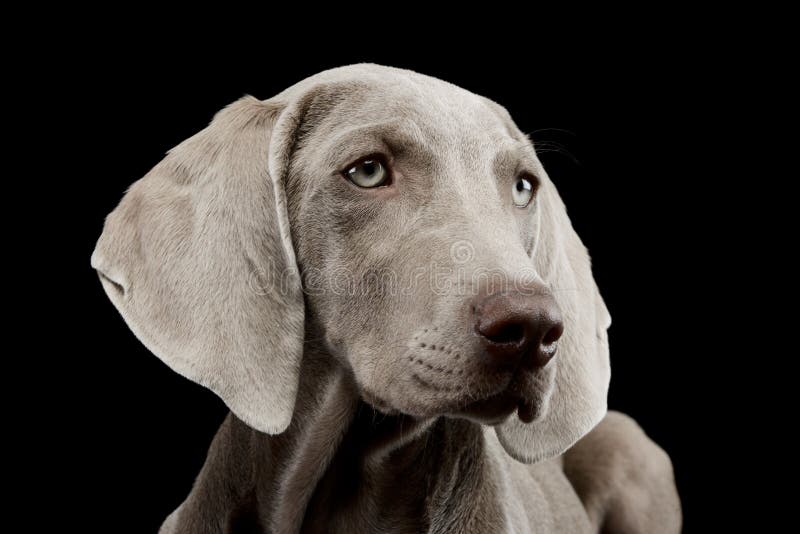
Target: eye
[(522, 190), (368, 172)]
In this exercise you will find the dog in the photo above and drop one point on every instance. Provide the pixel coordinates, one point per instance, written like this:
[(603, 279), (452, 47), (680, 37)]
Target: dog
[(374, 272)]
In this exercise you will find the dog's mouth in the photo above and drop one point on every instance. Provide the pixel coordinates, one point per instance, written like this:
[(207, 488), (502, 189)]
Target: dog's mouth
[(518, 393), (497, 408)]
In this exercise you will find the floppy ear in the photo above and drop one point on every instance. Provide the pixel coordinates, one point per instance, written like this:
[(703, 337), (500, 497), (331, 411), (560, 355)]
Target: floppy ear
[(198, 259), (578, 400)]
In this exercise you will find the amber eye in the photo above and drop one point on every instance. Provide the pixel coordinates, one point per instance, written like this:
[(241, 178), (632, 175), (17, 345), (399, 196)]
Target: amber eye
[(368, 173), (522, 191)]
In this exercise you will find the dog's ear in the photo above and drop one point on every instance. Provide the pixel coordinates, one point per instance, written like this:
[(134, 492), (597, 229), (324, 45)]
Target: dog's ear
[(578, 400), (198, 259)]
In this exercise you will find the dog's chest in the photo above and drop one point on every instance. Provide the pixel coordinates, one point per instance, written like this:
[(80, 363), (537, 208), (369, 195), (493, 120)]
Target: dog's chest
[(459, 481)]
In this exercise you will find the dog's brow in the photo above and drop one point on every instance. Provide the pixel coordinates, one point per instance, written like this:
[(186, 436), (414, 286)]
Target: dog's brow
[(516, 145), (512, 156), (391, 136)]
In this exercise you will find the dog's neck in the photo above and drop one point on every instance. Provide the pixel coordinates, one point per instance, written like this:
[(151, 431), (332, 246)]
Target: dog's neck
[(342, 463)]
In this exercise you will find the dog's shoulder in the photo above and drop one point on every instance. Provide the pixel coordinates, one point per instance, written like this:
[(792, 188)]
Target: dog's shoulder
[(535, 495), (624, 479)]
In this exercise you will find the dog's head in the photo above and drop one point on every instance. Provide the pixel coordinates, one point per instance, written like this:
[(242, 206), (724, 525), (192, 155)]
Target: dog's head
[(406, 220)]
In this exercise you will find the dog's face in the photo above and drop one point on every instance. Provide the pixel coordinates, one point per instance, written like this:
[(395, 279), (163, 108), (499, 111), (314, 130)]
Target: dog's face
[(405, 222), (412, 205)]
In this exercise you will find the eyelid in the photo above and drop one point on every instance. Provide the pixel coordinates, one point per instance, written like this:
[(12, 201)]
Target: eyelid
[(376, 156), (531, 177), (535, 184), (344, 155)]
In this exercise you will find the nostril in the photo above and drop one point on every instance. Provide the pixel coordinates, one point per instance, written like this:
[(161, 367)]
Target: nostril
[(506, 333), (553, 334)]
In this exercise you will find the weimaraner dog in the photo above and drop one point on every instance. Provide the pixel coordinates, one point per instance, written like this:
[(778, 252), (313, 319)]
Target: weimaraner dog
[(375, 273)]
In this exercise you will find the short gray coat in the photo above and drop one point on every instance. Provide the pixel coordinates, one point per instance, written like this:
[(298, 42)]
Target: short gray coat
[(247, 263)]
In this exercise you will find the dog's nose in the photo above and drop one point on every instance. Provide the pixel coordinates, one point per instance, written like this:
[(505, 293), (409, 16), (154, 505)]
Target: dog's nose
[(519, 329)]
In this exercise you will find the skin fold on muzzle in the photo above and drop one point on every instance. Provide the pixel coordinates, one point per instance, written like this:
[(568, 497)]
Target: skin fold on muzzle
[(373, 270)]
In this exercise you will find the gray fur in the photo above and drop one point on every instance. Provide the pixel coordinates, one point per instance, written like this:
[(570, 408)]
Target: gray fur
[(248, 264)]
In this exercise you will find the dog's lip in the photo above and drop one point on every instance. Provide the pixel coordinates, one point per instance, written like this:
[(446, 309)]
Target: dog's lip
[(495, 408), (498, 407), (526, 411)]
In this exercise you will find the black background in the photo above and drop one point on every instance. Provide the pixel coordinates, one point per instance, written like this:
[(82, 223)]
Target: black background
[(632, 134)]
